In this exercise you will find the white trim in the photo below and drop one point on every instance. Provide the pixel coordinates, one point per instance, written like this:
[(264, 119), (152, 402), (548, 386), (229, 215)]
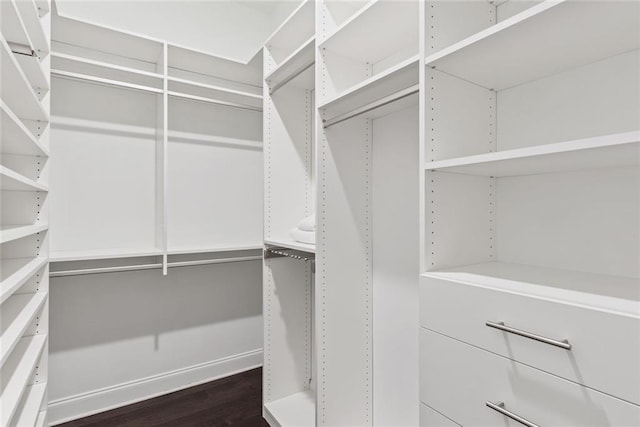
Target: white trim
[(93, 402)]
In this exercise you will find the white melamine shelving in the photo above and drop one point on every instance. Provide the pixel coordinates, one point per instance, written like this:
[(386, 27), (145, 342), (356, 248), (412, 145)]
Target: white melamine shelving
[(31, 18), (545, 39), (606, 151), (15, 89), (288, 38), (16, 138), (296, 69), (114, 253), (29, 410), (18, 312), (291, 244), (204, 92), (13, 27), (16, 374), (14, 232), (34, 71), (16, 271), (13, 181), (297, 410)]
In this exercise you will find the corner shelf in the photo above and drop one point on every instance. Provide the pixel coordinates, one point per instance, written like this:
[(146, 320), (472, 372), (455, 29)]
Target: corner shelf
[(13, 181), (18, 312), (16, 271), (622, 149), (545, 39), (296, 69), (16, 373), (14, 232), (16, 138), (29, 410), (604, 292), (297, 410)]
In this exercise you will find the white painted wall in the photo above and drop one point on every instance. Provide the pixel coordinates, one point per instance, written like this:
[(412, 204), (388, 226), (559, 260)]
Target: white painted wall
[(231, 29)]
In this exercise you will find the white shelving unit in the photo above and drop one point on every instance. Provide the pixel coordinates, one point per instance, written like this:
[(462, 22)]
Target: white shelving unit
[(163, 106), (530, 198), (24, 176)]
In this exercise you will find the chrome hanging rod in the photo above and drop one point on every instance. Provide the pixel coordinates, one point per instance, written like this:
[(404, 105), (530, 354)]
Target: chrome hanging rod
[(22, 49), (117, 269), (108, 82), (213, 101), (295, 74), (372, 106)]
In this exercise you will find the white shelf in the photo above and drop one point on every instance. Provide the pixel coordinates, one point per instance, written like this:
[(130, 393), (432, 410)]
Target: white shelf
[(291, 244), (17, 314), (103, 81), (297, 410), (43, 7), (604, 292), (29, 411), (299, 26), (622, 149), (15, 89), (543, 40), (212, 249), (377, 31), (86, 255), (192, 89), (14, 232), (33, 71), (13, 181), (16, 138), (15, 272), (177, 136), (296, 70), (393, 80), (16, 373), (13, 28), (42, 418), (31, 18)]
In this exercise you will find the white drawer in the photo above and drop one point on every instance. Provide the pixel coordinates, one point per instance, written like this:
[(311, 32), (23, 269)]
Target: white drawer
[(605, 347), (431, 418), (458, 379)]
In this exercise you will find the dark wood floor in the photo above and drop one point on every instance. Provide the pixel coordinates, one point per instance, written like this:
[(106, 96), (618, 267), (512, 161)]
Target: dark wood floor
[(231, 401)]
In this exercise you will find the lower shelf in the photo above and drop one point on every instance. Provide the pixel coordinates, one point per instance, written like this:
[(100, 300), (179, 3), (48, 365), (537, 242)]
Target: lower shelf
[(29, 411), (297, 410), (291, 244)]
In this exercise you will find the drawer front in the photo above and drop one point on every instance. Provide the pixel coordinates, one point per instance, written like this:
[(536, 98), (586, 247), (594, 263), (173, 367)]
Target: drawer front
[(431, 418), (457, 380), (605, 347)]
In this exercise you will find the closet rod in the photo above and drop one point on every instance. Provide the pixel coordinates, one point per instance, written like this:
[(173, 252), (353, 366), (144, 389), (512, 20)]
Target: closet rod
[(213, 101), (372, 106), (22, 49), (100, 270), (109, 82), (295, 74)]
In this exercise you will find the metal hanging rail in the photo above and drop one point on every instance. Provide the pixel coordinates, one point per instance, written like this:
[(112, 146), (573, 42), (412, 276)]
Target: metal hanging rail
[(372, 106), (108, 82), (213, 101), (277, 252), (117, 269), (22, 49)]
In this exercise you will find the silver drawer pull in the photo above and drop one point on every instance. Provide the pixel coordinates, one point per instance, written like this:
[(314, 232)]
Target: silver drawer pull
[(499, 407), (500, 325)]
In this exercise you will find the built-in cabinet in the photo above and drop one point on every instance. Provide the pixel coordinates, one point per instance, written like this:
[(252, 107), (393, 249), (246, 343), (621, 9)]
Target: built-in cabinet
[(24, 211)]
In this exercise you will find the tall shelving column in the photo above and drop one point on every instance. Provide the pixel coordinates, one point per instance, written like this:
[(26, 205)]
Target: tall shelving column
[(24, 147)]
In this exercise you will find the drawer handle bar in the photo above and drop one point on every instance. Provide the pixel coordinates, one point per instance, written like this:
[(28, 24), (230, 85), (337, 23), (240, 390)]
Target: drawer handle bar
[(501, 326), (499, 407)]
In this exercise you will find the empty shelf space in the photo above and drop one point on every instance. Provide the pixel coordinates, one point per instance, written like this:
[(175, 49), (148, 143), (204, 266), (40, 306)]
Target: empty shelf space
[(13, 28), (95, 254), (14, 232), (16, 374), (31, 19), (16, 138), (16, 271), (376, 31), (297, 410), (291, 244), (543, 40), (381, 88), (29, 410), (212, 249), (605, 292), (18, 312), (13, 181), (296, 70), (34, 72), (622, 149), (16, 90), (297, 28)]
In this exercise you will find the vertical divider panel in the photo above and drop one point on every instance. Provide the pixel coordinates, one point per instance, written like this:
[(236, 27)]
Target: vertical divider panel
[(162, 153)]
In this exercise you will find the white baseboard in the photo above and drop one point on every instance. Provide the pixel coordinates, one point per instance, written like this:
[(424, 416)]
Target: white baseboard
[(93, 402)]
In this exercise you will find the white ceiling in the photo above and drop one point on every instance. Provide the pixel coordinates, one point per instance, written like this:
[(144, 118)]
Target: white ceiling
[(234, 29)]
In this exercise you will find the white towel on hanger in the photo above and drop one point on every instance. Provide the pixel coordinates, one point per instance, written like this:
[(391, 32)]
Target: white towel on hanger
[(308, 223), (308, 237)]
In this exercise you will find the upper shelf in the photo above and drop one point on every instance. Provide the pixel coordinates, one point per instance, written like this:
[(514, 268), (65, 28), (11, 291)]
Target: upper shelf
[(16, 138), (545, 39), (13, 28), (16, 272), (13, 181), (289, 243), (14, 232), (31, 18), (296, 70), (205, 92), (376, 31), (297, 28), (622, 149)]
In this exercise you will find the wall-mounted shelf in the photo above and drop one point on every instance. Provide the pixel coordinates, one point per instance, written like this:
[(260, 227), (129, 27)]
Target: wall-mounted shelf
[(31, 18), (85, 255), (16, 138), (199, 91), (14, 232), (18, 312), (214, 249), (287, 38), (545, 39), (296, 70), (616, 150), (178, 136), (297, 410), (28, 412), (34, 71), (16, 271), (13, 28), (291, 244), (16, 373), (16, 90), (13, 181)]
